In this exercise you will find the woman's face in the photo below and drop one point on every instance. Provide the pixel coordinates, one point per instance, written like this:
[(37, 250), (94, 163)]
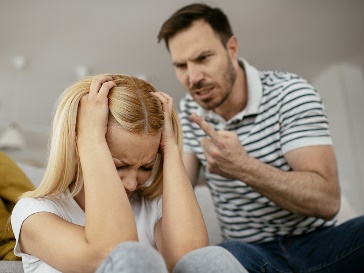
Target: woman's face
[(134, 155)]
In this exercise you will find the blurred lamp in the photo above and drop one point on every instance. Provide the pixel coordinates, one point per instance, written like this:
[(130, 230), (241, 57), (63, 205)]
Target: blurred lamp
[(12, 138), (82, 71)]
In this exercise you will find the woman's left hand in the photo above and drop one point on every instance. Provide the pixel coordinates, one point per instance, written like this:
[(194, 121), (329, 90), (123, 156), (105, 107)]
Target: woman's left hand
[(168, 136)]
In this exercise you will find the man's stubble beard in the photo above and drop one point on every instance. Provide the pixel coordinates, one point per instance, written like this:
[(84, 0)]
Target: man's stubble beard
[(228, 80)]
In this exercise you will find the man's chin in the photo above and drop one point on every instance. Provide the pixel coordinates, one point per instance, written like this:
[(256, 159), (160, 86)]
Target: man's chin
[(207, 105)]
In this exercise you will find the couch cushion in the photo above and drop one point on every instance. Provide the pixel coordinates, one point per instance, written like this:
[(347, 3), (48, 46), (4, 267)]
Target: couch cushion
[(11, 267)]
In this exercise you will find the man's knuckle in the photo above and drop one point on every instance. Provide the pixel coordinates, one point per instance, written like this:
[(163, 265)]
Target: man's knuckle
[(214, 154)]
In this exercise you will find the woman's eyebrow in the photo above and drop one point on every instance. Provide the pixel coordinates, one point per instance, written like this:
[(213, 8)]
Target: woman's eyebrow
[(118, 160), (121, 161), (150, 163)]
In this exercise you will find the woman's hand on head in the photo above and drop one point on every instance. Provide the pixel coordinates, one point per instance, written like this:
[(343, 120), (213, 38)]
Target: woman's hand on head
[(93, 110), (168, 136)]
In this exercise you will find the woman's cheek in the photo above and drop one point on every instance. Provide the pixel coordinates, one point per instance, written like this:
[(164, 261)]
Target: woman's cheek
[(143, 177)]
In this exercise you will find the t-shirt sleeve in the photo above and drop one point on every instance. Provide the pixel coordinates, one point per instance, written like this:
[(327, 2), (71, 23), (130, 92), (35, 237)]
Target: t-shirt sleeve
[(25, 208), (302, 117)]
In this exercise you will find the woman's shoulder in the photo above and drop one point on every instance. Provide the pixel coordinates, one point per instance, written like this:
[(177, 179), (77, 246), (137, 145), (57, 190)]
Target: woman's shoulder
[(39, 203), (63, 206), (28, 204), (26, 207)]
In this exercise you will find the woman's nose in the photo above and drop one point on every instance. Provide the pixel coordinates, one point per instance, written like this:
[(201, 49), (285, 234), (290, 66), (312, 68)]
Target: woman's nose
[(130, 183)]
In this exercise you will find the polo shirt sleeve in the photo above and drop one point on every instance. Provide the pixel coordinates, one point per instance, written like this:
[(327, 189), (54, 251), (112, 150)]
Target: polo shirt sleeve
[(303, 120), (186, 124)]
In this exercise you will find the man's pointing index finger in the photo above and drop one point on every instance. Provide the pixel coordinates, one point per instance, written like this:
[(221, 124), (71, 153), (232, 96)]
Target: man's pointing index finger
[(205, 126)]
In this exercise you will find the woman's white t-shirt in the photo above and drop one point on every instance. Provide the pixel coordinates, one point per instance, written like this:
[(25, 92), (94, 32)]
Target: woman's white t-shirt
[(146, 212)]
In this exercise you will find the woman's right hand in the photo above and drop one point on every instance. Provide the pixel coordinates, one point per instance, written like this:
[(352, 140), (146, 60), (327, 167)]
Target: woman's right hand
[(93, 110)]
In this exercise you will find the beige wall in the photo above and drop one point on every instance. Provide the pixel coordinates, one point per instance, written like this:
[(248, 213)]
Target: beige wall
[(342, 89)]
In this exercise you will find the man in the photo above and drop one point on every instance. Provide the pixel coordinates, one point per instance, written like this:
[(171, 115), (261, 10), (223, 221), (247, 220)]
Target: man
[(263, 141)]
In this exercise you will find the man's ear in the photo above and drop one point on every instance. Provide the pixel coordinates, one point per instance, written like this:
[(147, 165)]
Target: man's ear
[(232, 46)]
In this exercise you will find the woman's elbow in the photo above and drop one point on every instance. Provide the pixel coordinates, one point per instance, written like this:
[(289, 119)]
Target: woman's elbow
[(99, 253), (182, 250)]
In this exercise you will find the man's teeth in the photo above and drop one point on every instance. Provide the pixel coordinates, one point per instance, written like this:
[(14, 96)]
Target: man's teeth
[(203, 92)]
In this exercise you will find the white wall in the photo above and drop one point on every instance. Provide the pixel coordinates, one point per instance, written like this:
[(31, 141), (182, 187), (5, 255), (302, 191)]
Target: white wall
[(35, 151), (342, 89)]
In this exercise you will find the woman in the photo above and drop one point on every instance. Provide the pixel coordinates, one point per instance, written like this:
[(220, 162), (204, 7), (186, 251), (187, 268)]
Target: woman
[(115, 146)]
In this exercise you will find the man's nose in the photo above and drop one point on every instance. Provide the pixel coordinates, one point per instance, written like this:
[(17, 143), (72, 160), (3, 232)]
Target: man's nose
[(195, 75)]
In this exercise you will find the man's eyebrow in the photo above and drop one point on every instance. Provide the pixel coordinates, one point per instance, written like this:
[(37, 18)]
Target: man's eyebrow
[(195, 58), (178, 63), (203, 52)]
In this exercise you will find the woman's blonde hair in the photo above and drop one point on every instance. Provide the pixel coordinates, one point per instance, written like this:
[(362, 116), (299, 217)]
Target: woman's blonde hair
[(130, 105)]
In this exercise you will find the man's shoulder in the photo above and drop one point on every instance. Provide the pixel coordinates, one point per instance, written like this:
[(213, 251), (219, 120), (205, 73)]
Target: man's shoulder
[(188, 104), (275, 77), (284, 84)]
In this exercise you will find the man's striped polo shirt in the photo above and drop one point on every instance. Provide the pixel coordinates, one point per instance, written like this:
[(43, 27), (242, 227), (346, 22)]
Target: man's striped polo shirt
[(283, 113)]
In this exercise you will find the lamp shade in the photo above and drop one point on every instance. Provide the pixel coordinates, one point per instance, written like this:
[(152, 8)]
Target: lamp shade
[(12, 138)]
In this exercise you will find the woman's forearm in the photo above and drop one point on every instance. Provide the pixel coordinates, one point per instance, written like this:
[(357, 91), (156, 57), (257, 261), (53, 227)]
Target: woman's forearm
[(109, 218), (183, 226)]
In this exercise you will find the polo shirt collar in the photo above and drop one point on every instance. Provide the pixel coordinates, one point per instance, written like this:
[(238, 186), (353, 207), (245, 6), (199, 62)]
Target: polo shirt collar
[(255, 93)]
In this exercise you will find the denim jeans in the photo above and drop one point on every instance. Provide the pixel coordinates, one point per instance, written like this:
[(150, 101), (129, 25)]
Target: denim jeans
[(327, 250)]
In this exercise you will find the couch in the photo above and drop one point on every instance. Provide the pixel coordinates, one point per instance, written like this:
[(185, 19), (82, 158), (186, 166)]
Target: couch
[(203, 196)]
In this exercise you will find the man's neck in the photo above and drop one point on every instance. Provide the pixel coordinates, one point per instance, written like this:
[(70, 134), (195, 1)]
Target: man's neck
[(238, 98)]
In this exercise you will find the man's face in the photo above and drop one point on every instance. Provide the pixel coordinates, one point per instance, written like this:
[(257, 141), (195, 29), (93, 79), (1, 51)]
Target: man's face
[(203, 65)]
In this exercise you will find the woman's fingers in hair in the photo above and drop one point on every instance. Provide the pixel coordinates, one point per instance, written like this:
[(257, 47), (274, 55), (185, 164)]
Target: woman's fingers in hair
[(105, 87), (101, 84), (165, 99)]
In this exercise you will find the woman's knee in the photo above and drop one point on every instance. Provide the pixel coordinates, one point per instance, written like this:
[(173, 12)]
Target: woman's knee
[(133, 257), (209, 259)]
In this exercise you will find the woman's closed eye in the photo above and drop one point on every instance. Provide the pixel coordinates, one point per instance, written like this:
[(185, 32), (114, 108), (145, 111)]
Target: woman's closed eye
[(121, 167), (143, 168)]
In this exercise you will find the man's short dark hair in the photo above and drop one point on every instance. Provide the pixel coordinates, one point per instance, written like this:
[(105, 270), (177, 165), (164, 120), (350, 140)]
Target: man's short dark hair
[(184, 17)]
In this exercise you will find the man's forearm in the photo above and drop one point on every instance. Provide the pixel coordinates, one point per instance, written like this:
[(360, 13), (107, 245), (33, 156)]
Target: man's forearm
[(302, 192)]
